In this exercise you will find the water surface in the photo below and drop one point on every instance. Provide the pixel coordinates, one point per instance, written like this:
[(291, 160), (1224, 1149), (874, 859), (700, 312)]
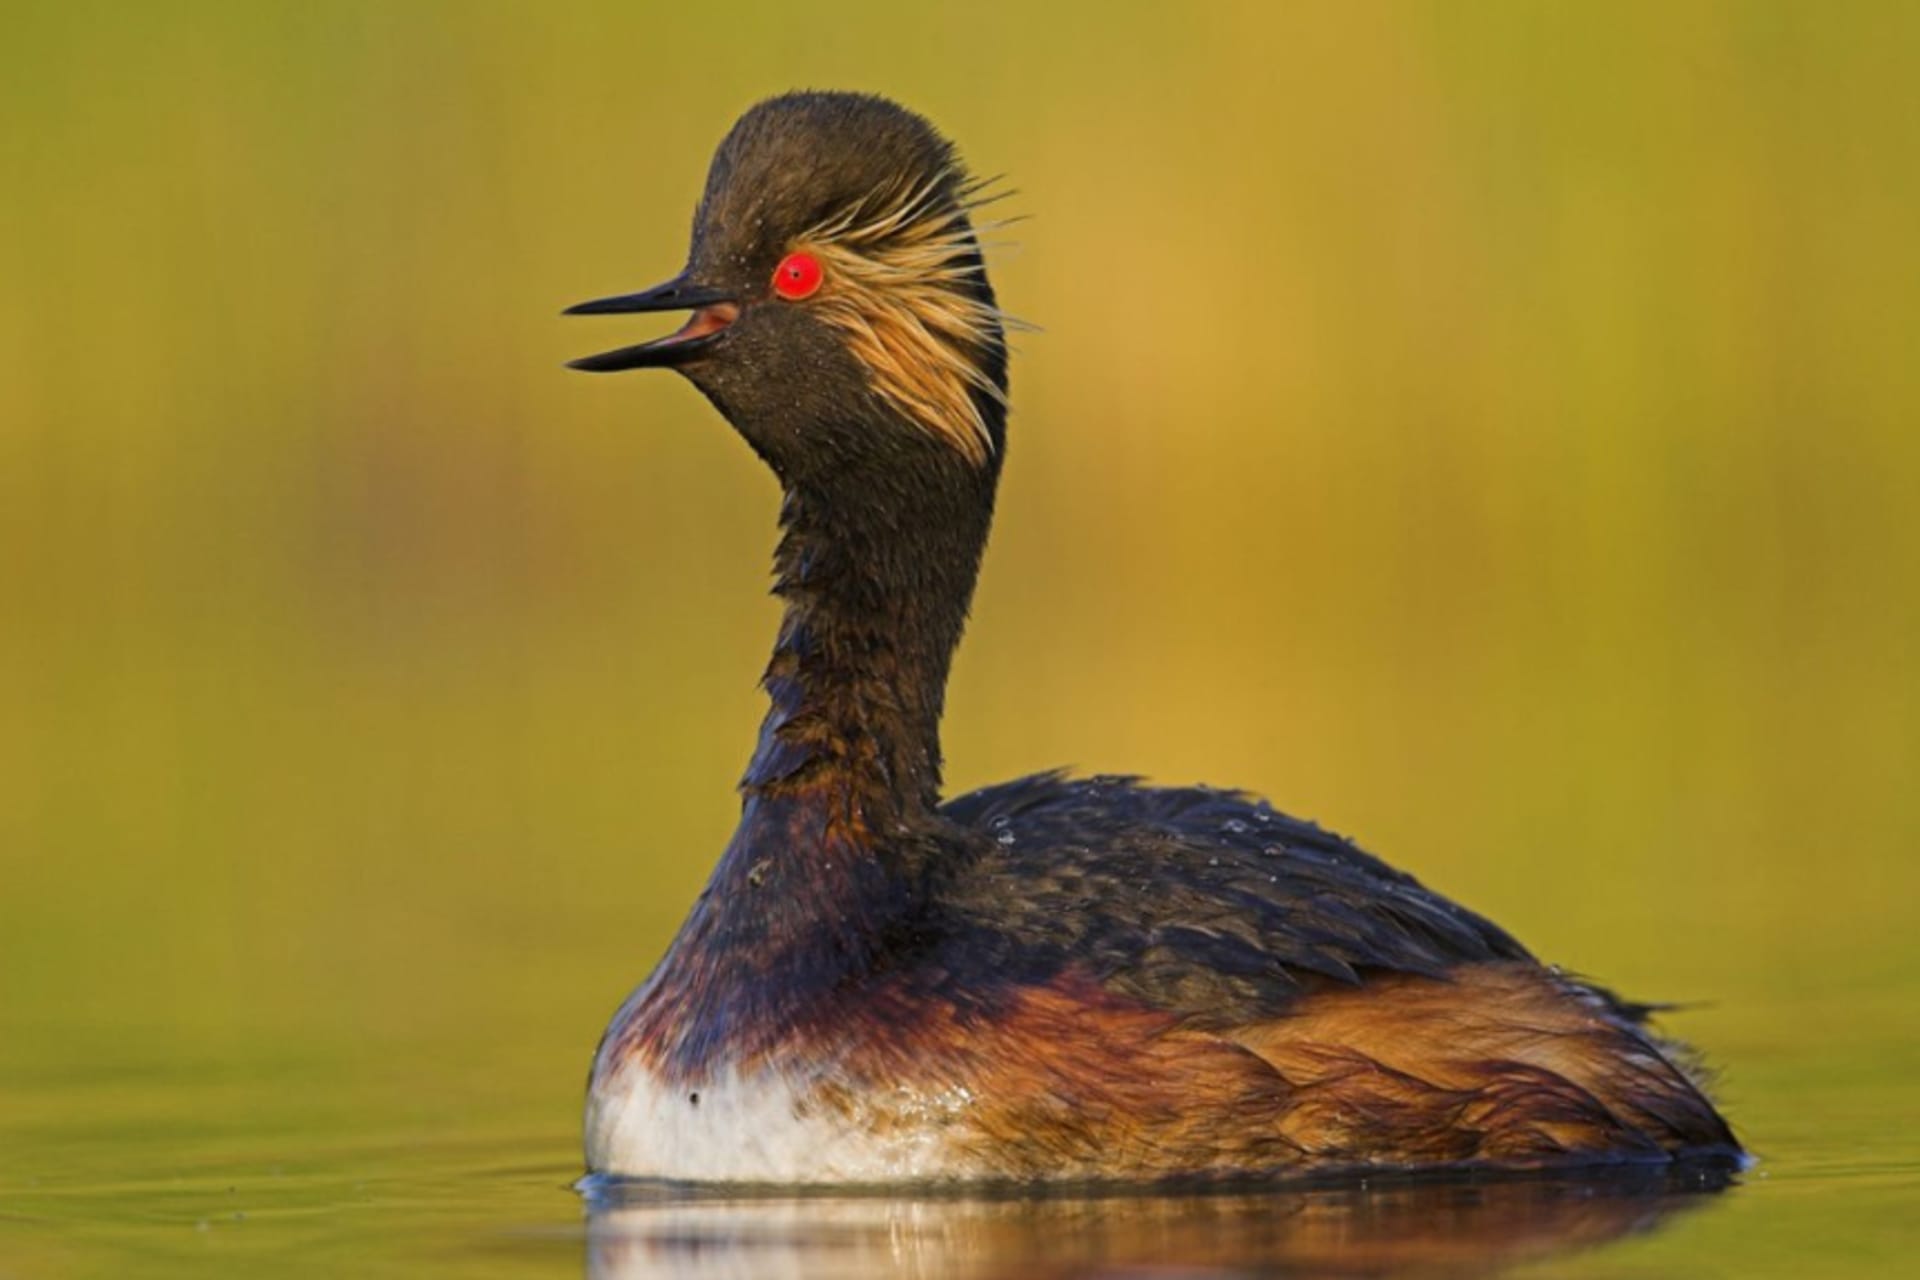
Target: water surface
[(423, 1157)]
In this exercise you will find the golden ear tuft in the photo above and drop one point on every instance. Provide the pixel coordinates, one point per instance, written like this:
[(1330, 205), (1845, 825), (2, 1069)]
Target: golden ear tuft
[(892, 267)]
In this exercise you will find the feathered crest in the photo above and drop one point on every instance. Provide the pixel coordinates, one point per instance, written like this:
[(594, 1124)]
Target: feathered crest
[(893, 262)]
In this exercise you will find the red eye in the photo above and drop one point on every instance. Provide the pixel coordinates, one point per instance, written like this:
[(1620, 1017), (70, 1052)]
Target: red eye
[(797, 276)]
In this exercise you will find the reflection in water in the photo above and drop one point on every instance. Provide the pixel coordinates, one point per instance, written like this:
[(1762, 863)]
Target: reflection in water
[(1401, 1227)]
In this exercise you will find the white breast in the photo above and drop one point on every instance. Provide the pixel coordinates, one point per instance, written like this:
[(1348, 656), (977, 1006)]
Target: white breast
[(760, 1128)]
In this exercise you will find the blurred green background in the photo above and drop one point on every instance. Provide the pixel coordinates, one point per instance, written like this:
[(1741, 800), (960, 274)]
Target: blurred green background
[(1488, 429)]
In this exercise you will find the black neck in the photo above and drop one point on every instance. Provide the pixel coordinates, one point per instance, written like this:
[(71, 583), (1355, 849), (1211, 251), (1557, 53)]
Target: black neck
[(840, 842), (876, 586)]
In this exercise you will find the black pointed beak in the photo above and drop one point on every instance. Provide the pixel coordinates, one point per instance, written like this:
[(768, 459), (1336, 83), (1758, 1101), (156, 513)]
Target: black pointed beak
[(713, 310)]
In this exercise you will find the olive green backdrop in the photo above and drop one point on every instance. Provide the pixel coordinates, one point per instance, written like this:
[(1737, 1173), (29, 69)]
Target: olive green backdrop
[(1488, 429)]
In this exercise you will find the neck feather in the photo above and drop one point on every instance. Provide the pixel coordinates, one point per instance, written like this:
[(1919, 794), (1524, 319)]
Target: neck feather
[(839, 839), (876, 595)]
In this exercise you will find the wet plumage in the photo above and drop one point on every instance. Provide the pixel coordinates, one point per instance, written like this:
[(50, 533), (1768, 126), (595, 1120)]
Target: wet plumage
[(1051, 978)]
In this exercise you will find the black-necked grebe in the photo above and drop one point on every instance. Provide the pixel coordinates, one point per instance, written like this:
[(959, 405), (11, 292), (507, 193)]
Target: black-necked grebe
[(1052, 978)]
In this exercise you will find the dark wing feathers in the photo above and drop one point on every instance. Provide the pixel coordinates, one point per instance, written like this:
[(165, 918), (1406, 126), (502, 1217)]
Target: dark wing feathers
[(1207, 902)]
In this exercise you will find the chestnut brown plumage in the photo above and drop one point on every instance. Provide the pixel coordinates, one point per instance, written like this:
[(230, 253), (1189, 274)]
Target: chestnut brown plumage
[(1051, 978)]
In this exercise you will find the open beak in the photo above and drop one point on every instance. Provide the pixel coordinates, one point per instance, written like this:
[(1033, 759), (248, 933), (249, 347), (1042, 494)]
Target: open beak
[(713, 310)]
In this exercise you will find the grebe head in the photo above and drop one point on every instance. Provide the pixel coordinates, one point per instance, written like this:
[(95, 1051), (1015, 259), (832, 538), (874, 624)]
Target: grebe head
[(841, 316)]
